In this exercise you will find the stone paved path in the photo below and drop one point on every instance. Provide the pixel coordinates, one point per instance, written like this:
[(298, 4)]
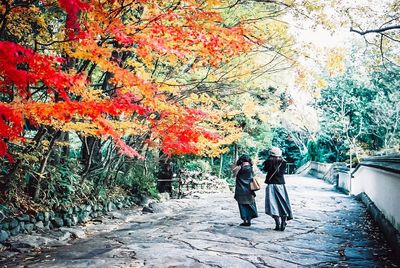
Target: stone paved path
[(329, 230)]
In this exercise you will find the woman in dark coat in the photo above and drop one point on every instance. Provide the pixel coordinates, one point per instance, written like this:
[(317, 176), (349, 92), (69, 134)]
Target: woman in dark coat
[(277, 202), (243, 195)]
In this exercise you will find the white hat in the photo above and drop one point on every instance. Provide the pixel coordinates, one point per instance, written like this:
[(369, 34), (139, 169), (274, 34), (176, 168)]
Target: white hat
[(275, 151)]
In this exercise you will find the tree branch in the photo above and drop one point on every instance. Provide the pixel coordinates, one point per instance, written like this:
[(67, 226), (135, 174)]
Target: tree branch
[(380, 30)]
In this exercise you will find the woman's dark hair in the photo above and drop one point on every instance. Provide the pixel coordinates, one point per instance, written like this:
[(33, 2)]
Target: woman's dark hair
[(244, 158)]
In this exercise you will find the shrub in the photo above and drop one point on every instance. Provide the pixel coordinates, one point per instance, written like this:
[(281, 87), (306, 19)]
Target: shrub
[(198, 165), (137, 181)]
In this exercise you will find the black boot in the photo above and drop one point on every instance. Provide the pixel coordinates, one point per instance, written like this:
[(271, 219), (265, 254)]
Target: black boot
[(277, 226), (283, 223), (245, 223)]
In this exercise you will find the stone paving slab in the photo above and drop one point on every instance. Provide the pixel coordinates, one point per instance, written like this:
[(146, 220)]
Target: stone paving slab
[(329, 229)]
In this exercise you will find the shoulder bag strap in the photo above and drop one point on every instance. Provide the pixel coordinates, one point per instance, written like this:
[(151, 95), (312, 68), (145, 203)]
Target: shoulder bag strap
[(275, 171)]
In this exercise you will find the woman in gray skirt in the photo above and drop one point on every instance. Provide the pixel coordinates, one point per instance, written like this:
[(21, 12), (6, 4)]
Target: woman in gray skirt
[(277, 202), (243, 194)]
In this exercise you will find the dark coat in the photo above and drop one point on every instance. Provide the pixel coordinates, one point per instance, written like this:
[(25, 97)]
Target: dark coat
[(270, 166), (243, 194)]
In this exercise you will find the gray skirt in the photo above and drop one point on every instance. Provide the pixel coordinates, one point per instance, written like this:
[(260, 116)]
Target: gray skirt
[(277, 201)]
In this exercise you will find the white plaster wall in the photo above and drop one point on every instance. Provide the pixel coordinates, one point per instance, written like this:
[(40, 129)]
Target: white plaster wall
[(382, 187), (344, 181)]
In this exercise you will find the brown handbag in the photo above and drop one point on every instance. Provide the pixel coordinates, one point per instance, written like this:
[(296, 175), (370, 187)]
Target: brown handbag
[(255, 184)]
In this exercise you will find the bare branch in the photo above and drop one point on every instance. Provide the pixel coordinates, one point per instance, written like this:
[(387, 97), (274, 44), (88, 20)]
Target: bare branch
[(380, 30)]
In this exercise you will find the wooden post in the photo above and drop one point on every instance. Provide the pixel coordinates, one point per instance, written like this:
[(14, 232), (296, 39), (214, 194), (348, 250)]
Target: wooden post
[(220, 165), (351, 162), (165, 174), (180, 187)]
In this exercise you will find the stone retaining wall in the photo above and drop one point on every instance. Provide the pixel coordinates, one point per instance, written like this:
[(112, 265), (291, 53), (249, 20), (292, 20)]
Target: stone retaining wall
[(326, 172), (319, 170), (46, 220), (192, 182)]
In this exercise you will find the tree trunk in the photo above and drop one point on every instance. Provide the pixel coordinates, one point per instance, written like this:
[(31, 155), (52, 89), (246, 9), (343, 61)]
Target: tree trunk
[(43, 165), (221, 161), (9, 177), (65, 149), (90, 153), (236, 153), (165, 174)]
